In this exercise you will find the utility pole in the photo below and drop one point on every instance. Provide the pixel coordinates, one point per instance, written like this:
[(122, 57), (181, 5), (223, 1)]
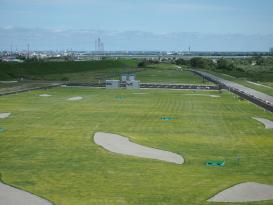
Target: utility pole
[(28, 50)]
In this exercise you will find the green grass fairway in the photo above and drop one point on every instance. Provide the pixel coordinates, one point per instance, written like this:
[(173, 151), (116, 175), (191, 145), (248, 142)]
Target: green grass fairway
[(169, 73), (47, 147)]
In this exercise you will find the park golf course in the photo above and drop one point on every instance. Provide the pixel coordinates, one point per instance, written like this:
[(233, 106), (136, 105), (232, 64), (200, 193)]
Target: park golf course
[(47, 146)]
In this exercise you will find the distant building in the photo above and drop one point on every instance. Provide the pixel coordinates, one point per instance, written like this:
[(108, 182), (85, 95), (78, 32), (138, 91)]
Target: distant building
[(271, 50), (132, 77), (12, 59), (124, 77), (127, 77), (112, 84), (133, 84)]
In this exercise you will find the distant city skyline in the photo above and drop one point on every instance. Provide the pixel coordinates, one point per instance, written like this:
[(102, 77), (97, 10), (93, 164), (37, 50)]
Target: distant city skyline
[(205, 25)]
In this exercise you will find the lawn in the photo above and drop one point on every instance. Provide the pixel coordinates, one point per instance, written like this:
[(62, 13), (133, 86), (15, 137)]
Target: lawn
[(48, 149), (168, 73)]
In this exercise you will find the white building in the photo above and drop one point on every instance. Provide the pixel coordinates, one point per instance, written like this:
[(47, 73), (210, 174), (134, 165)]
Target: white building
[(112, 84), (124, 77), (132, 77), (133, 84)]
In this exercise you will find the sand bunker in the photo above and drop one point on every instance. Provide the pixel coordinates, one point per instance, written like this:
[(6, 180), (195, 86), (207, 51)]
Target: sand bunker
[(121, 145), (245, 192), (12, 196), (267, 123), (212, 96), (75, 98), (9, 81), (4, 115), (45, 95)]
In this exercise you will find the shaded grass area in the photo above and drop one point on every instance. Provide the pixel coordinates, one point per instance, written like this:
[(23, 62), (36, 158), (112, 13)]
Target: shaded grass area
[(70, 70), (48, 148), (262, 73)]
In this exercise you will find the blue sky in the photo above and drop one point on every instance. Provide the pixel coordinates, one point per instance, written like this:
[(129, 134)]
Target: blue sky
[(152, 19)]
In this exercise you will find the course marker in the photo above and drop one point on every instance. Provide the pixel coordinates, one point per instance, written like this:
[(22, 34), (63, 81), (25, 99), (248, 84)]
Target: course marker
[(213, 163), (167, 118), (120, 97)]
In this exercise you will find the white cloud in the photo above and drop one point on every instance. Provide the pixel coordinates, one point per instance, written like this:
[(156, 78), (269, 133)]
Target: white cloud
[(83, 39), (178, 6)]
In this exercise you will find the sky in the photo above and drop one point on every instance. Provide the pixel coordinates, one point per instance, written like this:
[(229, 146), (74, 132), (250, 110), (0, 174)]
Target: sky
[(205, 25)]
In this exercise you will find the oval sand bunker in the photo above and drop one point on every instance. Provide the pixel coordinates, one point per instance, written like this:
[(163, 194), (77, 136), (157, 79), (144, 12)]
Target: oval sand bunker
[(204, 95), (44, 95), (75, 98), (4, 115), (121, 145), (267, 123), (245, 192), (12, 196)]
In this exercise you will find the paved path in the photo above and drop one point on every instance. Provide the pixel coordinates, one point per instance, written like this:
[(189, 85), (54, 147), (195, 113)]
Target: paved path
[(251, 92), (151, 85)]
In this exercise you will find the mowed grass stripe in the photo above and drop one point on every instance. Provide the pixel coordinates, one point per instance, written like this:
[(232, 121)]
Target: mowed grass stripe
[(48, 147)]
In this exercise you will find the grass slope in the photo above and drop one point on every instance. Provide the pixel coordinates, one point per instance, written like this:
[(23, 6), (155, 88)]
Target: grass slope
[(264, 86), (168, 73), (73, 70), (48, 149), (96, 71)]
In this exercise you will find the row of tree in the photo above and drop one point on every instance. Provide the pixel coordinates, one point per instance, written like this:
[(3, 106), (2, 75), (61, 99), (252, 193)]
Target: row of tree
[(226, 64), (205, 63)]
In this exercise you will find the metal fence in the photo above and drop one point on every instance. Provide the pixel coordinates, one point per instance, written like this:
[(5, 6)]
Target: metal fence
[(150, 85), (29, 89), (251, 98)]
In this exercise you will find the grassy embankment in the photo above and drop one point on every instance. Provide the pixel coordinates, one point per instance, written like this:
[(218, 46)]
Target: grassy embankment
[(264, 86), (258, 77), (95, 71)]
